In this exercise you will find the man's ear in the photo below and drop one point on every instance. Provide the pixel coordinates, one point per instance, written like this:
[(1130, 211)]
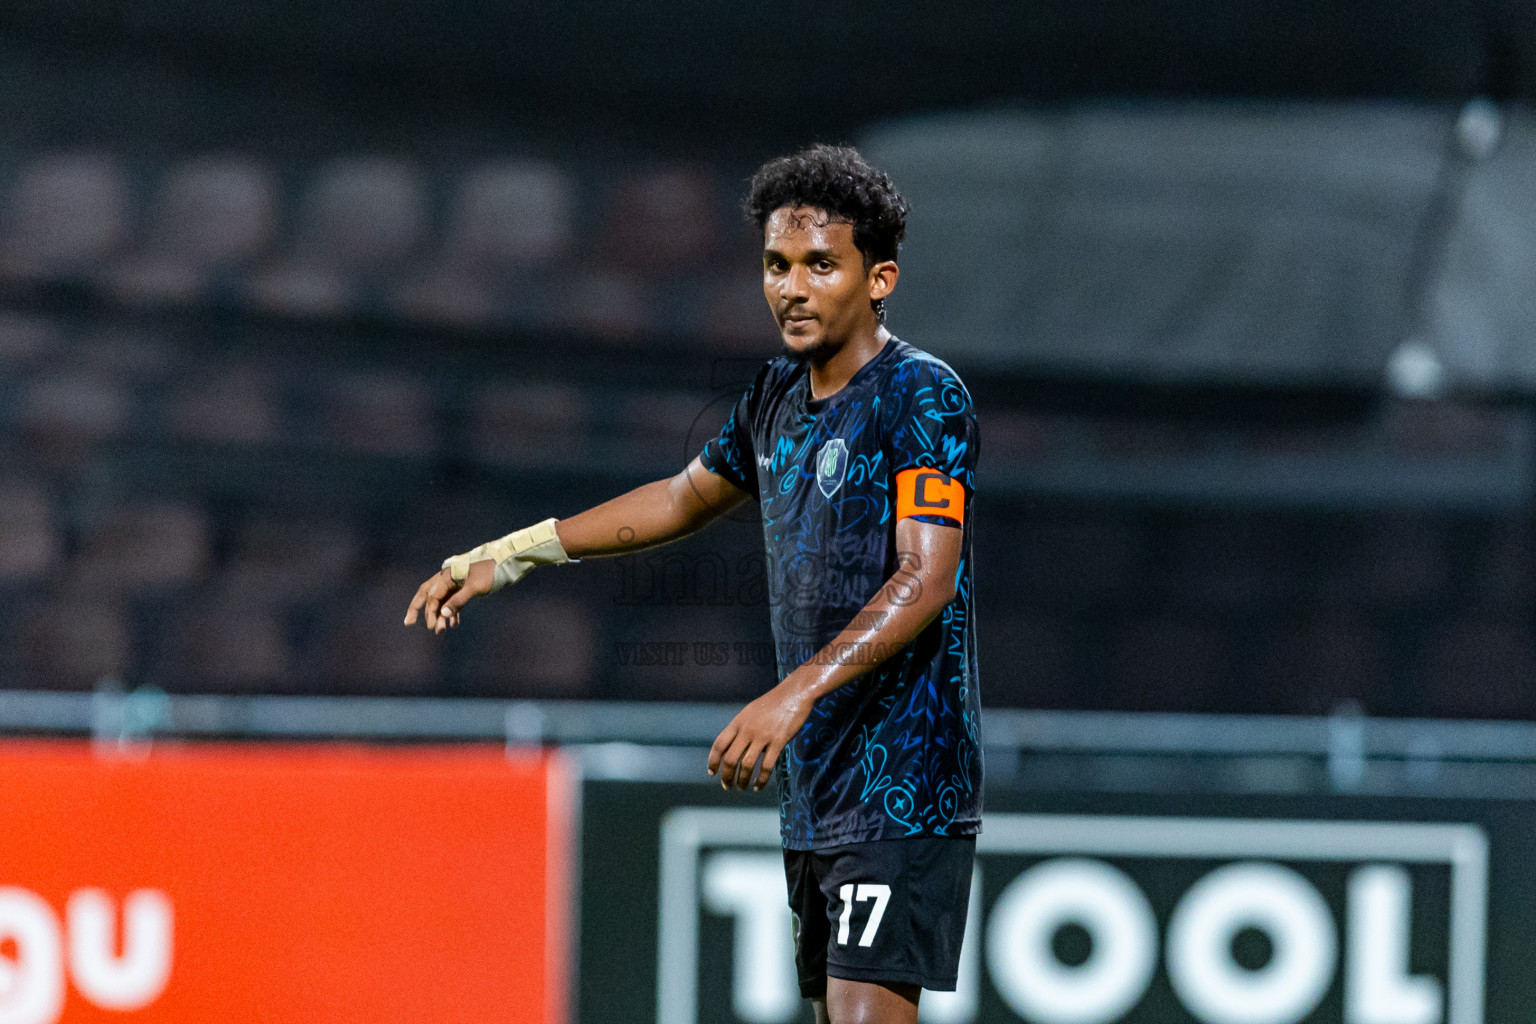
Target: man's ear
[(882, 279)]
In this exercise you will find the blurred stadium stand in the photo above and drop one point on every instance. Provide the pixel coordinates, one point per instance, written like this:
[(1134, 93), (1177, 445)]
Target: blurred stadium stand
[(1249, 243), (248, 401)]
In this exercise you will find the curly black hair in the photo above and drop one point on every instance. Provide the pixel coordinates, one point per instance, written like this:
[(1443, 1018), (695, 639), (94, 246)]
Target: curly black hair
[(838, 180)]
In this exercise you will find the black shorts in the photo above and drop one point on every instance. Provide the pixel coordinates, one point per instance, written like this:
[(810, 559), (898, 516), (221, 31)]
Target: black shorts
[(891, 910)]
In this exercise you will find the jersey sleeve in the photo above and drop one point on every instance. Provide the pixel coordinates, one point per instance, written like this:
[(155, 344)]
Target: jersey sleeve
[(730, 453), (931, 439)]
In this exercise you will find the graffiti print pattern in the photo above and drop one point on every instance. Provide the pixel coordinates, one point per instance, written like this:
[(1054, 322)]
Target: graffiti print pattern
[(896, 751)]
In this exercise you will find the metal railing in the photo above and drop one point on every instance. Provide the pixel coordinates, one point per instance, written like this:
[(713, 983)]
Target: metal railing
[(1110, 750)]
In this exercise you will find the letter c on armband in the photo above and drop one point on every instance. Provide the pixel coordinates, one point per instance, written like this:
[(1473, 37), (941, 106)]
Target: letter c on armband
[(927, 492)]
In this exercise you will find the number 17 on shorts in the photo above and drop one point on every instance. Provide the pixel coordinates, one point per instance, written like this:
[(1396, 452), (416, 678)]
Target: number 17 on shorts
[(892, 910), (849, 894)]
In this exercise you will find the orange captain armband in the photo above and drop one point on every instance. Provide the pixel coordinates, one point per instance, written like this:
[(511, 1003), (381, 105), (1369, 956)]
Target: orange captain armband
[(927, 492)]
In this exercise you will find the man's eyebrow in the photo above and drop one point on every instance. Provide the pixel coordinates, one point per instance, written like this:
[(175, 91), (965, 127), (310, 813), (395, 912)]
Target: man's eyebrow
[(811, 255)]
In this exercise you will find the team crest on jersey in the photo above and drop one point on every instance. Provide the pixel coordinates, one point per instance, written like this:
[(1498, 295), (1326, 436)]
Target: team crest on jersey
[(832, 466)]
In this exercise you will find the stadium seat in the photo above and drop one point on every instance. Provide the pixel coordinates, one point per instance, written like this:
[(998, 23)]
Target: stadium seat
[(211, 213), (30, 545), (528, 646), (128, 355), (361, 646), (381, 413), (25, 339), (364, 212), (146, 546), (361, 217), (229, 645), (529, 424), (72, 641), (65, 214), (737, 320), (290, 560), (231, 405), (612, 305), (445, 520), (510, 213), (510, 218), (666, 429), (662, 219), (64, 416)]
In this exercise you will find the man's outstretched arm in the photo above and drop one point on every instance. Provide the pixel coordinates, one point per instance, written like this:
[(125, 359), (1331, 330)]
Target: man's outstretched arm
[(928, 563), (652, 514)]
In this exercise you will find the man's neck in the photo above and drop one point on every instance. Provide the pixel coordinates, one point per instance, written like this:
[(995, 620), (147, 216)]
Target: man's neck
[(833, 375)]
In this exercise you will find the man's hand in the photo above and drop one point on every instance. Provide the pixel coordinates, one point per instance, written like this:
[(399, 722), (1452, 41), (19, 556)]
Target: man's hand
[(441, 598), (761, 729), (916, 593)]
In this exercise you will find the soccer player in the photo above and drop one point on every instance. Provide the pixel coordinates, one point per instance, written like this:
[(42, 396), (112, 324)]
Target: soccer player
[(860, 451)]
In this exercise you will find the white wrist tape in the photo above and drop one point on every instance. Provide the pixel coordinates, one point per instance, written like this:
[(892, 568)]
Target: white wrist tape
[(514, 554)]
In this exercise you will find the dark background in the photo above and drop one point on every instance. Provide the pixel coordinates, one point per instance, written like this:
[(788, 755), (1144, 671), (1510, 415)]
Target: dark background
[(742, 78), (231, 485)]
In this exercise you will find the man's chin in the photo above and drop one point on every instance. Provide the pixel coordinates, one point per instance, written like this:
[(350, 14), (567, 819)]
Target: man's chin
[(814, 353)]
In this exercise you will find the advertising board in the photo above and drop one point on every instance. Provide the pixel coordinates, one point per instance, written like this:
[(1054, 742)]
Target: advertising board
[(282, 883), (1091, 909)]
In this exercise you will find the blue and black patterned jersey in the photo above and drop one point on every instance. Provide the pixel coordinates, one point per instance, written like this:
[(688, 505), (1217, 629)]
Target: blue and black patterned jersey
[(896, 751)]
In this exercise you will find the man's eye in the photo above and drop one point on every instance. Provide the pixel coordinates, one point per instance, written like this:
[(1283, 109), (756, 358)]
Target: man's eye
[(823, 265)]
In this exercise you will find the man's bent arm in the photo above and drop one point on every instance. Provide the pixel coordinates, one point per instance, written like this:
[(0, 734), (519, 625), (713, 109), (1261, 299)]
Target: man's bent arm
[(928, 563), (652, 514), (655, 513)]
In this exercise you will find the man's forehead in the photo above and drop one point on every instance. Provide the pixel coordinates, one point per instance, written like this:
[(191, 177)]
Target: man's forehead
[(808, 225)]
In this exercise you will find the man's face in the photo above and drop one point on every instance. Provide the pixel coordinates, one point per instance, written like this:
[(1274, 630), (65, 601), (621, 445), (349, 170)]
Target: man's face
[(815, 282)]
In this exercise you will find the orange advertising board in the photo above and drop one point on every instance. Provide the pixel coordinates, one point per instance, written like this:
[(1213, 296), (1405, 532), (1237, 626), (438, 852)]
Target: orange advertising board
[(287, 884)]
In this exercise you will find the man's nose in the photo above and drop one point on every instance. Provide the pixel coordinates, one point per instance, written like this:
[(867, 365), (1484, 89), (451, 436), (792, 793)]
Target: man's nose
[(797, 283)]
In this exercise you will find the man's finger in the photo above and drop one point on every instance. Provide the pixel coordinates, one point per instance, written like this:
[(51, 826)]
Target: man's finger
[(718, 749), (731, 763), (748, 765), (456, 600), (770, 758), (434, 602), (478, 581), (416, 603)]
